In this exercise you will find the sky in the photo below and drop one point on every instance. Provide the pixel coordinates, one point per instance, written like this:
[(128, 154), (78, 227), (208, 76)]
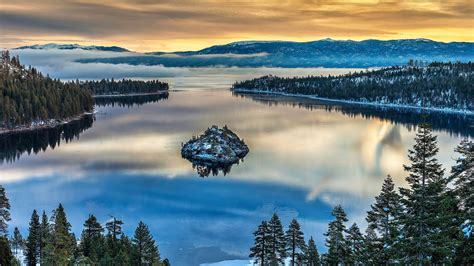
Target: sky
[(172, 25)]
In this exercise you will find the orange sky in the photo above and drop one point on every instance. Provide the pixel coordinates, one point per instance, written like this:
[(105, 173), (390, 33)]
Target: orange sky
[(170, 25)]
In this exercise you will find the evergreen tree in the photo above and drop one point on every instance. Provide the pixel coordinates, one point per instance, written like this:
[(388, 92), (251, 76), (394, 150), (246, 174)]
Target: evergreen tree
[(17, 242), (4, 212), (45, 237), (91, 233), (337, 248), (421, 220), (32, 244), (146, 251), (295, 242), (384, 217), (462, 177), (355, 244), (63, 242), (372, 252), (262, 248), (114, 227), (6, 257), (312, 255), (277, 241), (166, 262)]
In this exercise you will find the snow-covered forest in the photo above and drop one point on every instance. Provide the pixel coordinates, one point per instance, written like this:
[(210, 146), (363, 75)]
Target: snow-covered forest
[(437, 85)]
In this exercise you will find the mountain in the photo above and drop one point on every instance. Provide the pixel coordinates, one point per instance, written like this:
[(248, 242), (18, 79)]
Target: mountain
[(73, 46), (321, 53)]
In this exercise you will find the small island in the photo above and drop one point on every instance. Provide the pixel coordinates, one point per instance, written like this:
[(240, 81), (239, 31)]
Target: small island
[(216, 148)]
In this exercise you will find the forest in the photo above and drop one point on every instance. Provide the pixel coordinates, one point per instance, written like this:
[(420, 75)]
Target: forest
[(124, 86), (30, 99), (427, 223), (51, 242), (435, 85)]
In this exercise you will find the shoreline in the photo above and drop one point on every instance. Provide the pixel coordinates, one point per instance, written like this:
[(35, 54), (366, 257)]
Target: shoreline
[(371, 104), (128, 94), (48, 125)]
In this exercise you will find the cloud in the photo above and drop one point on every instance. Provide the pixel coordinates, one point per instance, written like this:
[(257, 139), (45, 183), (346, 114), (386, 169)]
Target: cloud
[(193, 24)]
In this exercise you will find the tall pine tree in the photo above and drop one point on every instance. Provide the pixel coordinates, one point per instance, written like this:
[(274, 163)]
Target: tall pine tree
[(295, 243), (277, 241), (32, 243), (311, 254), (146, 251), (335, 241), (17, 242), (384, 217), (4, 212), (421, 220), (355, 244), (44, 237), (262, 248), (63, 242), (90, 235)]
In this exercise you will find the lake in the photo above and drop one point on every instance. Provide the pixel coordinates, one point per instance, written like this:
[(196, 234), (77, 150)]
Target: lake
[(304, 158)]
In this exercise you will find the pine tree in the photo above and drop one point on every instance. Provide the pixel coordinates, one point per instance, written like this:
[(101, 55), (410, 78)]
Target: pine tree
[(337, 248), (63, 242), (114, 227), (295, 242), (17, 242), (427, 184), (262, 249), (146, 251), (462, 177), (311, 254), (32, 244), (45, 236), (355, 243), (372, 252), (4, 212), (6, 257), (91, 232), (277, 241), (384, 217)]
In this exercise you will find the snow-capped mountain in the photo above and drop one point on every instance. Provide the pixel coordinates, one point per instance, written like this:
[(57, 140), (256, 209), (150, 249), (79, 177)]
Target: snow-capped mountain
[(321, 53), (73, 46)]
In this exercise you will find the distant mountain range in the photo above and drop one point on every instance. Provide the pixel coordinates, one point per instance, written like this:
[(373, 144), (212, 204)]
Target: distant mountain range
[(321, 53), (73, 46)]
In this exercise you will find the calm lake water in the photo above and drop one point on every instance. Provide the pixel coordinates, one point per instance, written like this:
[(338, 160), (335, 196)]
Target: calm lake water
[(304, 159)]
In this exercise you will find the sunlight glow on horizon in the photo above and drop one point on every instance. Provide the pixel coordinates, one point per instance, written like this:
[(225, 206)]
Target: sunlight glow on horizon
[(146, 25)]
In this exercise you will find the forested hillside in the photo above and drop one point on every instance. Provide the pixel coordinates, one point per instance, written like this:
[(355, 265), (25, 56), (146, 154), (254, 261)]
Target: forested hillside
[(124, 86), (437, 85), (27, 97)]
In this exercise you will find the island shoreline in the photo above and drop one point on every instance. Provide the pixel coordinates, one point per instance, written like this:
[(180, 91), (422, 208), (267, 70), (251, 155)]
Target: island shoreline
[(368, 104)]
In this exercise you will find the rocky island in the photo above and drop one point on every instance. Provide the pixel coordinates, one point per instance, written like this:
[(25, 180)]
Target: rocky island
[(216, 148)]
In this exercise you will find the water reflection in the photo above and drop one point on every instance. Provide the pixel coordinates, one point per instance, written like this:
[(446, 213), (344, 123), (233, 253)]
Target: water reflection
[(130, 100), (204, 169), (14, 145), (457, 124)]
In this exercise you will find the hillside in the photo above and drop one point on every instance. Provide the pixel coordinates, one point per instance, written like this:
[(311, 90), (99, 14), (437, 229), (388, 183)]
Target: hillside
[(437, 86), (73, 46), (29, 99), (321, 53)]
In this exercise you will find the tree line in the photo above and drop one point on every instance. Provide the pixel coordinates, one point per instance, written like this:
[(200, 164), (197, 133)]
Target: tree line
[(439, 85), (124, 86), (427, 223), (28, 98), (51, 242)]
